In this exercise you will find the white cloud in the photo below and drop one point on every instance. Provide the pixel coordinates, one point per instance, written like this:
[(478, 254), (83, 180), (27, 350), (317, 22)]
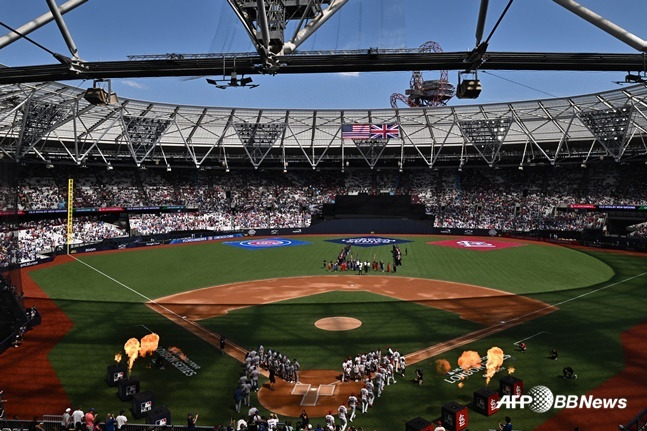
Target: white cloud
[(134, 84), (349, 74)]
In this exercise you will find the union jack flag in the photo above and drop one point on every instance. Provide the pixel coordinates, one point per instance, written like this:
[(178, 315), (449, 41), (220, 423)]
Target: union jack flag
[(355, 131), (385, 131)]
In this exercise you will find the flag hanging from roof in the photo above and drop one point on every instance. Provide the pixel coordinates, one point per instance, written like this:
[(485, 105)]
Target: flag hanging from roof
[(385, 131), (370, 131), (355, 131)]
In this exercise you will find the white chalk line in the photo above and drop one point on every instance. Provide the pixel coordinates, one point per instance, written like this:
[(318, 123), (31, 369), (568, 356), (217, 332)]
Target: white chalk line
[(532, 336), (147, 298), (573, 299), (146, 328), (491, 330)]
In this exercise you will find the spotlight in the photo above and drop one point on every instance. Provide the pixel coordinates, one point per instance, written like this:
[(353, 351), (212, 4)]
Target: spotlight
[(468, 88), (98, 95)]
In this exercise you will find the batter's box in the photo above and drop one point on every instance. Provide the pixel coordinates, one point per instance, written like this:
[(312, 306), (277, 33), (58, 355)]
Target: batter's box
[(310, 398), (326, 390), (300, 389)]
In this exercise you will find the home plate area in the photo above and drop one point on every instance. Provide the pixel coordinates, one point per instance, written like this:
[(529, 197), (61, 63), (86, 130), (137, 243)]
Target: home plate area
[(481, 245), (311, 394)]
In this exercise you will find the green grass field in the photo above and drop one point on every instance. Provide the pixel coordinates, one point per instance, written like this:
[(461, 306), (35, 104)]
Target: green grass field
[(105, 314)]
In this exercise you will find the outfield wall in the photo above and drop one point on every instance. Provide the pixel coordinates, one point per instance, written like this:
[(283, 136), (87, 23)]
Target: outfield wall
[(350, 227)]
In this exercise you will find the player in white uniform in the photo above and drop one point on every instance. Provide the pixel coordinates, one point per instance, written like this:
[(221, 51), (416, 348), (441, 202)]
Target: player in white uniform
[(330, 421), (352, 403), (342, 417), (371, 394), (403, 365), (363, 394), (390, 371)]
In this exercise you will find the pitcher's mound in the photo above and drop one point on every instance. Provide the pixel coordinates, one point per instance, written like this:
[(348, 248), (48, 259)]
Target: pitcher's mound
[(338, 323)]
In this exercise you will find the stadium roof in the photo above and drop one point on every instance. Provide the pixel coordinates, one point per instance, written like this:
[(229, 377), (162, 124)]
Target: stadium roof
[(53, 123)]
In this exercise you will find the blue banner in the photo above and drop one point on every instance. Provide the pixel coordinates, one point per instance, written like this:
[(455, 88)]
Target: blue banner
[(255, 244), (368, 241), (205, 238)]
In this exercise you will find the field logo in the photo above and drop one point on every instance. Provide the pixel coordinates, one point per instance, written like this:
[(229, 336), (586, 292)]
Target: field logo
[(255, 244), (540, 399), (368, 241), (473, 244)]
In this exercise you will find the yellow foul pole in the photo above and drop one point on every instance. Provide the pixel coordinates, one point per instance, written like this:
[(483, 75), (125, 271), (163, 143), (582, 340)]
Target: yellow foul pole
[(70, 208)]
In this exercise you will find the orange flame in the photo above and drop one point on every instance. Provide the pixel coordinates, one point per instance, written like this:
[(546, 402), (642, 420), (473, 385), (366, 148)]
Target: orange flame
[(460, 385), (510, 370), (117, 357), (132, 350), (494, 362), (442, 366), (469, 359), (149, 344)]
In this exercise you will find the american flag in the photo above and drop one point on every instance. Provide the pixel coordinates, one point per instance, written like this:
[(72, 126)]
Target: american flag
[(355, 131), (385, 131)]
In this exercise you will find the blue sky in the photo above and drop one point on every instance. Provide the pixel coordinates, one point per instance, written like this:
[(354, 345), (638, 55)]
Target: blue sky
[(113, 29)]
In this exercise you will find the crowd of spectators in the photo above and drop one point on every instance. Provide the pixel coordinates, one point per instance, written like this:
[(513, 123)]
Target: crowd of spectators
[(24, 242), (502, 199)]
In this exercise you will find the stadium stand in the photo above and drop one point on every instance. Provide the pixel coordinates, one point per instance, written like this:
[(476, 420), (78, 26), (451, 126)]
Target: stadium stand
[(504, 199)]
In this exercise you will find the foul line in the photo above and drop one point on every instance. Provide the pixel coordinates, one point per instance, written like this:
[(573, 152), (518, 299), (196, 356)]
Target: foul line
[(571, 299), (491, 330), (182, 318), (532, 336), (146, 328)]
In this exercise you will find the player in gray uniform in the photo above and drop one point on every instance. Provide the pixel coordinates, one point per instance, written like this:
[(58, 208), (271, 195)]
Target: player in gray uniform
[(254, 375), (296, 366), (403, 365), (342, 417), (371, 394), (247, 389), (379, 382), (363, 394), (242, 380), (352, 404)]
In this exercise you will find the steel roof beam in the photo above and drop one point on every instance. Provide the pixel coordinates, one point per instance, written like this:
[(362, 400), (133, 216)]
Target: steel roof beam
[(359, 61)]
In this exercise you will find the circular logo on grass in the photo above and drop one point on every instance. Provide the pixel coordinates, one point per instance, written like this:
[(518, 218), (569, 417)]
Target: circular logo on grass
[(266, 242), (542, 399)]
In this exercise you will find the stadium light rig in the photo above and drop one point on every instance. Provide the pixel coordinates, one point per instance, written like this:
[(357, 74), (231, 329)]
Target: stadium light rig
[(223, 84)]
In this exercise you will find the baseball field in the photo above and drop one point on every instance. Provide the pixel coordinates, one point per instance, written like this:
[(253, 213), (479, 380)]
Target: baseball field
[(450, 295)]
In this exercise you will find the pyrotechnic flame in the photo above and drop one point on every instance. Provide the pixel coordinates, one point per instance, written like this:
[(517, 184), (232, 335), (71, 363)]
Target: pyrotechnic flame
[(460, 385), (510, 370), (117, 357), (442, 366), (469, 359), (149, 344), (494, 362), (132, 350), (178, 352)]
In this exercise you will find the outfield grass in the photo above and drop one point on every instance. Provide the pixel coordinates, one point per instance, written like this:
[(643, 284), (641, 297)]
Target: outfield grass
[(105, 315)]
